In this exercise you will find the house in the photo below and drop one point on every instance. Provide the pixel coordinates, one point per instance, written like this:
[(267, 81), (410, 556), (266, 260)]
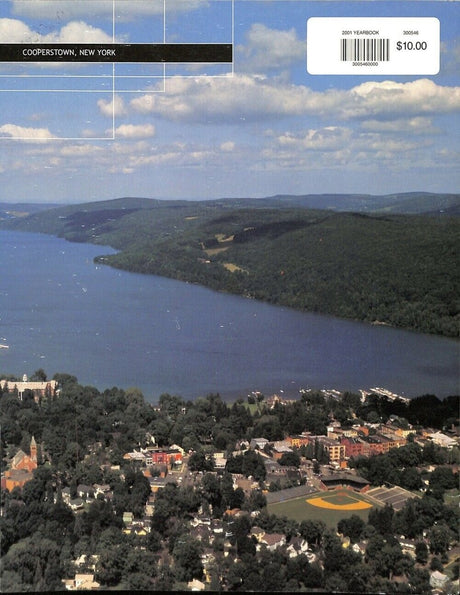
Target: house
[(155, 456), (334, 449), (65, 494), (217, 527), (76, 504), (258, 443), (279, 449), (407, 546), (157, 483), (203, 534), (298, 440), (196, 585), (297, 546), (149, 508), (360, 547), (272, 541), (273, 467), (15, 478), (442, 440), (438, 580), (85, 491), (81, 582), (128, 518), (353, 446), (257, 532), (159, 456), (139, 529), (208, 558), (89, 562), (220, 460), (100, 489)]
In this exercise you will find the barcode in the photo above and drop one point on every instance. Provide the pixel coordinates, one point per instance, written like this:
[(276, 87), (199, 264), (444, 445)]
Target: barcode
[(364, 49)]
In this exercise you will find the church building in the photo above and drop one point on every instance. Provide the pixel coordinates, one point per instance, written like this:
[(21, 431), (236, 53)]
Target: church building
[(21, 468)]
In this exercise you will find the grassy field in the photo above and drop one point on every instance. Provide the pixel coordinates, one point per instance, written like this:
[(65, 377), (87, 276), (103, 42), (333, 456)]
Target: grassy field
[(330, 507)]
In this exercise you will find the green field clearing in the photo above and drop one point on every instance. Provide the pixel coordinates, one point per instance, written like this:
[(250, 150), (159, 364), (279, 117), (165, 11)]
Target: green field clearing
[(299, 509)]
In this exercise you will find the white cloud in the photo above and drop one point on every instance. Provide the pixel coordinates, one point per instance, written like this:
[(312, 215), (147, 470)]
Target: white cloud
[(132, 131), (267, 49), (422, 96), (21, 132), (15, 31), (80, 150), (243, 97), (109, 108), (326, 139), (417, 125), (232, 97), (335, 147), (227, 146)]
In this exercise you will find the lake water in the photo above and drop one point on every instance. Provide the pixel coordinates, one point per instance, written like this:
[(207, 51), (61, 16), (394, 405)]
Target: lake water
[(61, 312)]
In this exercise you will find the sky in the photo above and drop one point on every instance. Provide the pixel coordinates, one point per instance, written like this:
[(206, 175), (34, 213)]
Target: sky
[(258, 127)]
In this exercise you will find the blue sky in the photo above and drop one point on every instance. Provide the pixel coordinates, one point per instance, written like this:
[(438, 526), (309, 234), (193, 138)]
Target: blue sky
[(260, 128)]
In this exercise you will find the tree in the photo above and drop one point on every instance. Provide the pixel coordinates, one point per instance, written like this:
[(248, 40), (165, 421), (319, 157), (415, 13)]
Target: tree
[(316, 467), (384, 556), (442, 479), (139, 569), (256, 500), (39, 375), (36, 563), (436, 564), (410, 479), (171, 405), (139, 493), (439, 539), (198, 461), (211, 489), (419, 580), (110, 564), (382, 519), (352, 527), (289, 459), (313, 532), (187, 555), (253, 465)]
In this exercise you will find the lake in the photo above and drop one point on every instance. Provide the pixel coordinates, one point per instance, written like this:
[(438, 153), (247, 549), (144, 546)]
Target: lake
[(61, 312)]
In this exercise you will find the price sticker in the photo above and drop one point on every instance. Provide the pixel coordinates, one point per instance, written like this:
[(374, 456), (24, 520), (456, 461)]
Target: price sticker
[(376, 45)]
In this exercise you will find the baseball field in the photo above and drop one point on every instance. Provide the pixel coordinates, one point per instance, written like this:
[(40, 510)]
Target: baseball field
[(329, 507)]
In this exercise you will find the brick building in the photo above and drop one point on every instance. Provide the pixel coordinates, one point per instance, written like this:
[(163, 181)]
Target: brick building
[(40, 389), (21, 468)]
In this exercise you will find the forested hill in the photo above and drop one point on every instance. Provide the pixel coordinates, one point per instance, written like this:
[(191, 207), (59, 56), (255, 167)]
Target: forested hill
[(377, 266)]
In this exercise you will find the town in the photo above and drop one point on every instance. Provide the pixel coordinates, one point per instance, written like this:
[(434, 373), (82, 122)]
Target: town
[(328, 492)]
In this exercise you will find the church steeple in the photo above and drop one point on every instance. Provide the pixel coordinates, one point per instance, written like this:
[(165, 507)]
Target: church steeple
[(33, 450)]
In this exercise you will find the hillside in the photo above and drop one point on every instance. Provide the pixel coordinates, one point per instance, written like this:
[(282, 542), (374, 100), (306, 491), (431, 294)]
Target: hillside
[(380, 268)]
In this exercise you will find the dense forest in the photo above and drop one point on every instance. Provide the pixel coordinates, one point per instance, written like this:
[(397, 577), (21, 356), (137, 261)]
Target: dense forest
[(373, 266)]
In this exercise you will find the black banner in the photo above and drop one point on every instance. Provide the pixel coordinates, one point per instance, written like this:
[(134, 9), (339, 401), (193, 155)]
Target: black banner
[(116, 52)]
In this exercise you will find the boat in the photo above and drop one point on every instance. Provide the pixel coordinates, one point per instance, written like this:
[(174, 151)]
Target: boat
[(4, 346)]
